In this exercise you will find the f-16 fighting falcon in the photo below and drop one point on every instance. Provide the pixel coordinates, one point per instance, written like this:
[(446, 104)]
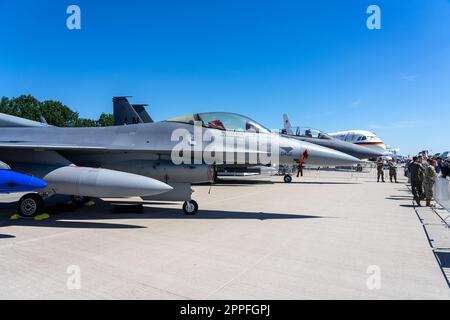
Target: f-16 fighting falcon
[(156, 161), (126, 113), (325, 140)]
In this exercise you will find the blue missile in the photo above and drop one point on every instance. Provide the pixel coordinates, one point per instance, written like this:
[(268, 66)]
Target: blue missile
[(11, 181)]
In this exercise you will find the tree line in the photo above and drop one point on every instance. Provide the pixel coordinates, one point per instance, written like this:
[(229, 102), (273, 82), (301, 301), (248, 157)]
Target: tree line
[(54, 112)]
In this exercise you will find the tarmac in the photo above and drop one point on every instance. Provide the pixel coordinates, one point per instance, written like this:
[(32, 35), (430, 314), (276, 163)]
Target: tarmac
[(328, 235)]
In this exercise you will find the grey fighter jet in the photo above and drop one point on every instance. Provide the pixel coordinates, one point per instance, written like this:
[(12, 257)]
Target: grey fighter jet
[(138, 160), (320, 138)]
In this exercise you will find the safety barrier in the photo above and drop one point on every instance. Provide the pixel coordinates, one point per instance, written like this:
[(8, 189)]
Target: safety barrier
[(442, 192)]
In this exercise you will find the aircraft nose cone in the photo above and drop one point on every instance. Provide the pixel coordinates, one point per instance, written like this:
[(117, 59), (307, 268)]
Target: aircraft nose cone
[(322, 156), (144, 186), (374, 153), (161, 186), (36, 183), (369, 154)]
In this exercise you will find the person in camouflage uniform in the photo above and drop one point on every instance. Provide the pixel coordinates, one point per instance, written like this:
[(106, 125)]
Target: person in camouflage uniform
[(393, 171), (380, 171), (416, 170), (429, 179)]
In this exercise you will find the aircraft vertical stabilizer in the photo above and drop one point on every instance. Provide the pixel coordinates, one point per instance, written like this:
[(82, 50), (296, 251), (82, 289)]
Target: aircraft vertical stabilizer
[(140, 110), (287, 124), (124, 113)]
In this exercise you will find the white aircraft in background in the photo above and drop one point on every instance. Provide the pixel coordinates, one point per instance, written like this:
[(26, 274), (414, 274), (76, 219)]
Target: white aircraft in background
[(361, 137)]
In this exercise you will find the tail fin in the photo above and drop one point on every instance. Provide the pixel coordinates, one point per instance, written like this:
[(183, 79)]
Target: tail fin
[(287, 124), (140, 110), (124, 113), (43, 120), (7, 120)]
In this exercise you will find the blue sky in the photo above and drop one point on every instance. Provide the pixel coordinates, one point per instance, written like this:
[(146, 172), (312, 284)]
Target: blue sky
[(315, 60)]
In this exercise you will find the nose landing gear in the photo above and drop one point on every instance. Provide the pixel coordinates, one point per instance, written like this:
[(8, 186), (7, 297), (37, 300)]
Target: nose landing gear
[(287, 178), (190, 208)]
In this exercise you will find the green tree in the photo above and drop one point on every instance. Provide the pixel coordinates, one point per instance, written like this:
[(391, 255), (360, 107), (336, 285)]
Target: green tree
[(58, 114), (106, 120), (25, 107), (81, 122), (54, 112)]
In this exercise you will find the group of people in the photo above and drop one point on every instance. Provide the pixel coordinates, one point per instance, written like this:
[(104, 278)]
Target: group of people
[(392, 170), (422, 172)]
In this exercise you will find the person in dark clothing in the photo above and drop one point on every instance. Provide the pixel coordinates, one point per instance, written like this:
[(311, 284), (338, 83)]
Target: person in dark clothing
[(392, 171), (380, 170), (439, 165), (445, 169), (417, 170)]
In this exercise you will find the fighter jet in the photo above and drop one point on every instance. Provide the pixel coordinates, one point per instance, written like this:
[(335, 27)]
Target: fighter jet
[(126, 113), (320, 138), (138, 159)]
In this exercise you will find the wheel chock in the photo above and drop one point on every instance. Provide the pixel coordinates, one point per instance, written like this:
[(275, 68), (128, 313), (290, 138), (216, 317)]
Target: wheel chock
[(42, 217), (15, 216), (90, 203)]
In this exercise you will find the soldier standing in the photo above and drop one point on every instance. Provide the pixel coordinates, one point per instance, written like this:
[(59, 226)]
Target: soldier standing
[(429, 179), (380, 171), (416, 170), (393, 171)]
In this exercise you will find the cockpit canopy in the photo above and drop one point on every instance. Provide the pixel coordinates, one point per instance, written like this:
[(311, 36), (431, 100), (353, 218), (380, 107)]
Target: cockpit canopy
[(307, 133), (222, 121)]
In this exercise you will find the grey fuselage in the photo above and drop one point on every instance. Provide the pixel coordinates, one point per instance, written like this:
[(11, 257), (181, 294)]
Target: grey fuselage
[(354, 150), (112, 147)]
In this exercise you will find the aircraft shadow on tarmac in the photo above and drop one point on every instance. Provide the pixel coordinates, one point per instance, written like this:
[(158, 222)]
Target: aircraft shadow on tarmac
[(6, 236), (400, 198), (103, 211)]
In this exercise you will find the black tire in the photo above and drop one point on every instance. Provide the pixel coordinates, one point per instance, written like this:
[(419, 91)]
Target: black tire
[(190, 208), (30, 205), (287, 178)]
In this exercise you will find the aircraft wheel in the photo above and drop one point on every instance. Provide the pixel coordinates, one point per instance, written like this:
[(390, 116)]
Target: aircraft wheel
[(287, 178), (190, 208), (30, 205)]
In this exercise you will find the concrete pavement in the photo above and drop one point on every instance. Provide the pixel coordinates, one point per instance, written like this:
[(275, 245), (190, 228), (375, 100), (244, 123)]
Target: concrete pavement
[(254, 238)]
